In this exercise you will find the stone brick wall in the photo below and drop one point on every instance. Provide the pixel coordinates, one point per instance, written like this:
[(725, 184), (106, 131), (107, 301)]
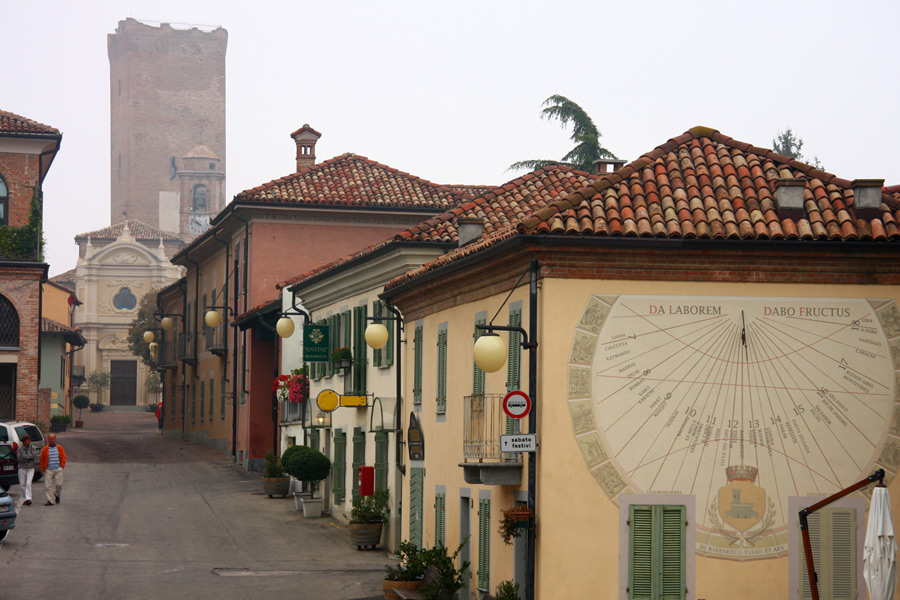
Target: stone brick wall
[(19, 171), (167, 95), (22, 287)]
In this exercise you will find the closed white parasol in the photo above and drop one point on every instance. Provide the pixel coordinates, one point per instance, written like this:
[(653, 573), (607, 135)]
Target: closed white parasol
[(880, 551)]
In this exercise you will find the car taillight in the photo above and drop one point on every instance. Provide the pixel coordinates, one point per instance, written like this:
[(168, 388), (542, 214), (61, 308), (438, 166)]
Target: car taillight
[(15, 446)]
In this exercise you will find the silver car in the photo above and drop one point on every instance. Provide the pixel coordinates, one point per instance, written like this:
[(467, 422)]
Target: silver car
[(7, 514)]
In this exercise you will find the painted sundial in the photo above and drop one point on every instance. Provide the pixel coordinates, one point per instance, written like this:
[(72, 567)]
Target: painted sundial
[(741, 402)]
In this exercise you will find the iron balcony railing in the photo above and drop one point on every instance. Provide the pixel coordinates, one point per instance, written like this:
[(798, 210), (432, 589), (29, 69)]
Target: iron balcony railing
[(166, 358), (186, 347), (78, 377), (215, 339), (483, 423)]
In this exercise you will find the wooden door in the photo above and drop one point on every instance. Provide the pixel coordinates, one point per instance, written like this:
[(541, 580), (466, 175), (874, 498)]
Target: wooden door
[(123, 383)]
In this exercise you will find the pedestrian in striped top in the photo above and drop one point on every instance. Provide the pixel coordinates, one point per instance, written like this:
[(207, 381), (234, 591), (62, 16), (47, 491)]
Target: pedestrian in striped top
[(53, 461)]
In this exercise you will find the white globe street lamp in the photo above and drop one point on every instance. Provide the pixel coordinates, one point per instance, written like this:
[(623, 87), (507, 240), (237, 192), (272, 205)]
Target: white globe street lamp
[(213, 318), (376, 335), (149, 336), (285, 327), (490, 352), (167, 323)]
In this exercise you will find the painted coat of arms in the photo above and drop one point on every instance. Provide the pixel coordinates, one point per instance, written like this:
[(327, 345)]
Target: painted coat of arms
[(741, 511)]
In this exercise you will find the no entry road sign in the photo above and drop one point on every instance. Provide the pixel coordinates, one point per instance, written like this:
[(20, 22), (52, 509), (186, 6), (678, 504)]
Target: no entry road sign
[(516, 404)]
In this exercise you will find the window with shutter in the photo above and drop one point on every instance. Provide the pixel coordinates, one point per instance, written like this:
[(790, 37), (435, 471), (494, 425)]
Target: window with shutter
[(314, 439), (222, 408), (202, 401), (832, 535), (477, 373), (484, 543), (388, 350), (656, 569), (381, 460), (416, 504), (359, 457), (442, 369), (339, 466), (212, 398), (376, 313), (439, 519), (417, 369), (334, 331), (359, 350)]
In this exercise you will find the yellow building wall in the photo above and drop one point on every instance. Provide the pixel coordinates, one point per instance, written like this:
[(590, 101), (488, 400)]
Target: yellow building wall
[(55, 304), (578, 525)]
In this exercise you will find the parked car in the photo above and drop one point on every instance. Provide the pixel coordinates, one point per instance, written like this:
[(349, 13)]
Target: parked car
[(7, 514), (9, 466), (14, 431)]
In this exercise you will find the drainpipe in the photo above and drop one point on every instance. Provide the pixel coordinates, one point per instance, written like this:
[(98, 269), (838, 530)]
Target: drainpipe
[(234, 403), (183, 368), (215, 235), (196, 305), (532, 423), (398, 363)]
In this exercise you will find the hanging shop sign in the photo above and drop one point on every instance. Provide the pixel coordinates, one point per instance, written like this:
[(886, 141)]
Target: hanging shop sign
[(315, 343)]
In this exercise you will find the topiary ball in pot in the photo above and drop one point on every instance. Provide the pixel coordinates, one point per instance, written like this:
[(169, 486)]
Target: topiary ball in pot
[(306, 464)]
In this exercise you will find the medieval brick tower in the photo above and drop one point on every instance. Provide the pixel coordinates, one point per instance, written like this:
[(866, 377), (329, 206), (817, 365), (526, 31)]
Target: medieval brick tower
[(167, 109)]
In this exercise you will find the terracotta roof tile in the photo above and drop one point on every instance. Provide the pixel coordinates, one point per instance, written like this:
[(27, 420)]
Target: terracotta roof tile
[(51, 326), (65, 279), (11, 123), (352, 180), (703, 184), (139, 230)]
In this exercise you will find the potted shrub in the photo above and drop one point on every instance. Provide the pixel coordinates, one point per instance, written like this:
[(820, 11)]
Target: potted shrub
[(367, 519), (59, 423), (274, 480), (309, 465), (81, 402), (342, 358), (507, 590), (513, 521), (442, 580), (96, 407), (407, 574)]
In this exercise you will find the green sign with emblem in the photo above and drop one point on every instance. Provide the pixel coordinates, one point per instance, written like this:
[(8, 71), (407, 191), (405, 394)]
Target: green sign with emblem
[(315, 343)]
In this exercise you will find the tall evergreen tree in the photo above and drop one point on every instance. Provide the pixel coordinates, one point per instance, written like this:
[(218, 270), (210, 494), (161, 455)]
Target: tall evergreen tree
[(584, 133), (790, 144)]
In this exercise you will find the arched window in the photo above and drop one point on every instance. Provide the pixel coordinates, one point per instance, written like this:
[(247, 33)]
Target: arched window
[(124, 300), (4, 202), (9, 324), (200, 197)]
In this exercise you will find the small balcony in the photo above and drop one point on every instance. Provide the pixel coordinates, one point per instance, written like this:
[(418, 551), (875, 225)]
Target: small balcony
[(215, 340), (77, 378), (185, 348), (483, 423), (166, 358)]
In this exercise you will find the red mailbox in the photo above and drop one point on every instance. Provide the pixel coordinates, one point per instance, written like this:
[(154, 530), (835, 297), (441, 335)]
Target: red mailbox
[(366, 481)]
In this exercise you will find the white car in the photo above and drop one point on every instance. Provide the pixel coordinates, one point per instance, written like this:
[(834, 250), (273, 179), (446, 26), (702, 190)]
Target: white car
[(14, 431), (7, 514)]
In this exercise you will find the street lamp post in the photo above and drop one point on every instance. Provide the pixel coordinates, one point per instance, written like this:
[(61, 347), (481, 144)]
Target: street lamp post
[(376, 337), (490, 356)]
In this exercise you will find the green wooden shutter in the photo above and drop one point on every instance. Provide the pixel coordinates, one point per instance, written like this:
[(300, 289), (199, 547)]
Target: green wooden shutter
[(656, 569), (376, 313), (212, 397), (417, 369), (832, 535), (381, 460), (442, 371), (359, 350), (339, 466), (333, 337), (202, 400), (416, 504), (193, 403), (484, 543), (359, 457), (439, 519), (388, 349), (477, 373), (314, 439), (224, 397)]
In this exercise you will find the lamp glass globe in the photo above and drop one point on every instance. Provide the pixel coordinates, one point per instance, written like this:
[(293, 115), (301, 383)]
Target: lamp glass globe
[(167, 323), (213, 318), (490, 352), (149, 337), (376, 335), (285, 327)]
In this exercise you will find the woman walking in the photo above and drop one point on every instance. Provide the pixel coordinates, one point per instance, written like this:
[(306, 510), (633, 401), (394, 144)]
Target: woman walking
[(27, 455)]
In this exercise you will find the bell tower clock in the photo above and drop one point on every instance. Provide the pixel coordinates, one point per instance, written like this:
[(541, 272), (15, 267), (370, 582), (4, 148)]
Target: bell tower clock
[(202, 182)]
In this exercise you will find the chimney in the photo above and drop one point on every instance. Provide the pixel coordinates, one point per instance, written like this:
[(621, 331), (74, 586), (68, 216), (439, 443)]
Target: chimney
[(789, 198), (867, 198), (470, 229), (605, 166), (306, 138)]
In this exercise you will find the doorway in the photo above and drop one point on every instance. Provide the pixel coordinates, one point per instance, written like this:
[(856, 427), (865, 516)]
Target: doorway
[(8, 391), (123, 383)]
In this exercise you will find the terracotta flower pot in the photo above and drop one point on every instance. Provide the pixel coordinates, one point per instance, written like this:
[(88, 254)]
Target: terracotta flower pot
[(388, 585)]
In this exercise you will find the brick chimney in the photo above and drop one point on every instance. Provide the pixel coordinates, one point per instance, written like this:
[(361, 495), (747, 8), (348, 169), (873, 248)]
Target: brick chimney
[(306, 138), (867, 198), (789, 198), (605, 166)]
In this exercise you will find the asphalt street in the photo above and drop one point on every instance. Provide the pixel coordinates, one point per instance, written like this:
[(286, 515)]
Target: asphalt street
[(143, 516)]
